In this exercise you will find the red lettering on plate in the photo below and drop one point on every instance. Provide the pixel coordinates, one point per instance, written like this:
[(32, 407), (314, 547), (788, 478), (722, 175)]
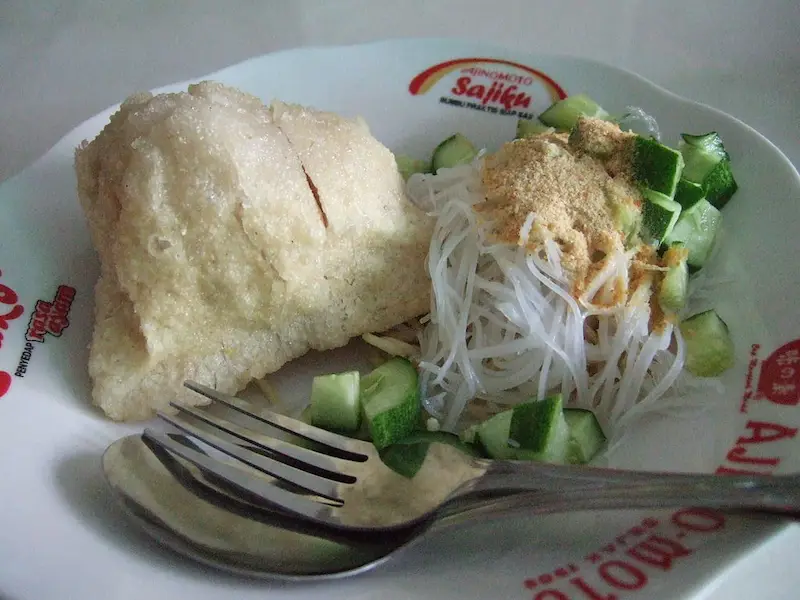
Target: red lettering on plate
[(593, 558), (548, 578), (9, 297), (37, 326), (628, 572), (51, 317), (761, 431), (658, 551), (5, 383), (758, 432), (589, 591), (779, 381), (622, 575), (738, 454), (625, 563), (509, 96)]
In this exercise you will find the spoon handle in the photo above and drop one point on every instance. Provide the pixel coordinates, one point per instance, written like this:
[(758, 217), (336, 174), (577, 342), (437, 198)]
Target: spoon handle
[(577, 488), (614, 497)]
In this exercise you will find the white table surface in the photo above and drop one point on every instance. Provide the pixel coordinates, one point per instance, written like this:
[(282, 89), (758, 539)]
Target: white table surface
[(62, 61)]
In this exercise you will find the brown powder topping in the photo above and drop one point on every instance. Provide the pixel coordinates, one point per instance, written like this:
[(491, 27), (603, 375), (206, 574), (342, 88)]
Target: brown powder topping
[(605, 141), (567, 186)]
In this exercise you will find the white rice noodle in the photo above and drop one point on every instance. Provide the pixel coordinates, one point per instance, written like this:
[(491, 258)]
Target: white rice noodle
[(504, 327), (611, 276), (525, 230)]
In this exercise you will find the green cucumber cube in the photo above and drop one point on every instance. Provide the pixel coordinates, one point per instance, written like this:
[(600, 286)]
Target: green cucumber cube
[(709, 347), (531, 127), (407, 456), (455, 150), (408, 166), (405, 459), (335, 404), (697, 230), (563, 114), (538, 430), (709, 165), (719, 184), (674, 289), (391, 401), (659, 215), (492, 435), (687, 193), (656, 166), (586, 437)]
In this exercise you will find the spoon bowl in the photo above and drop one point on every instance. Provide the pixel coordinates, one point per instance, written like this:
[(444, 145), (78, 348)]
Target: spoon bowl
[(178, 506)]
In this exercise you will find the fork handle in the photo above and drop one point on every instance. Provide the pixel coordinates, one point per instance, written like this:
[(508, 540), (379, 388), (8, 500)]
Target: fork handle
[(608, 488)]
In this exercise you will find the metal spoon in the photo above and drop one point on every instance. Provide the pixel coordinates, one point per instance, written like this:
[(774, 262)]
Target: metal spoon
[(177, 505), (184, 509)]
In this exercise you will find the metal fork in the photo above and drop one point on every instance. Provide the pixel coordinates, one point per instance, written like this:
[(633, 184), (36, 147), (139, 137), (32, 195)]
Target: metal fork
[(338, 482)]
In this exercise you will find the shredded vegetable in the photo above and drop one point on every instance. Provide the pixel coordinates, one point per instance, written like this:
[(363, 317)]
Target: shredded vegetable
[(392, 346)]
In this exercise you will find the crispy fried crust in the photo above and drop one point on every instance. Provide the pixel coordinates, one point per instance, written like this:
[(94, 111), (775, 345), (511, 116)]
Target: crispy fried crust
[(234, 238)]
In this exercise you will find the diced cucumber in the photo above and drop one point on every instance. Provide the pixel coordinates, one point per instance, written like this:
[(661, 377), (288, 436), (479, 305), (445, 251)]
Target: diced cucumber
[(709, 347), (407, 455), (335, 403), (493, 436), (565, 113), (390, 401), (701, 154), (719, 184), (405, 459), (586, 437), (470, 434), (697, 229), (659, 215), (305, 417), (539, 430), (408, 165), (363, 431), (674, 289), (687, 194), (442, 437), (709, 143), (531, 127), (708, 164), (656, 166), (455, 150)]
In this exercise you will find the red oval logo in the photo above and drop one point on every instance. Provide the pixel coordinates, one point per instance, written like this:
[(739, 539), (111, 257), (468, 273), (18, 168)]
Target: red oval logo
[(5, 383), (779, 380)]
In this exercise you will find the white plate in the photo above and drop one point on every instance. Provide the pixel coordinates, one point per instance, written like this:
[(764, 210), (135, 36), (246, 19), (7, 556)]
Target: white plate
[(60, 534)]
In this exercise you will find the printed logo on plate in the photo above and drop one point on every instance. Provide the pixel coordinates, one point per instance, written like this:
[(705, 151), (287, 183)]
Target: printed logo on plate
[(49, 317), (770, 398), (489, 85), (629, 561), (626, 564)]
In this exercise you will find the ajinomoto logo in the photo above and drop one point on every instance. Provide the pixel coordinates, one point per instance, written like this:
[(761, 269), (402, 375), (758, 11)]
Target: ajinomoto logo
[(492, 85)]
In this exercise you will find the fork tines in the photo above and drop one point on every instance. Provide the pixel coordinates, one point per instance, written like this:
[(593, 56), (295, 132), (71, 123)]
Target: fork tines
[(251, 461)]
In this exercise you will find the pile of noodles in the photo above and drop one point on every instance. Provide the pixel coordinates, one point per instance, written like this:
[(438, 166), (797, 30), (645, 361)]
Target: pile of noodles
[(503, 326)]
